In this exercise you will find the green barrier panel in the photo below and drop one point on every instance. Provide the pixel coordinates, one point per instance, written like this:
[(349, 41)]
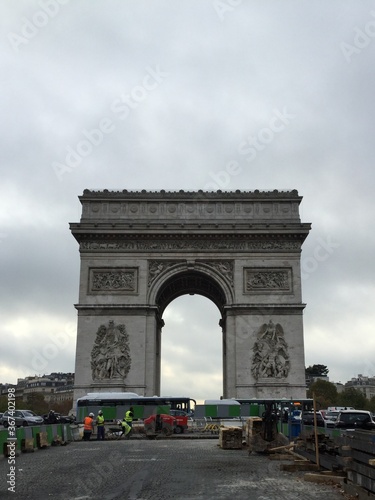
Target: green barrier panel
[(61, 430), (254, 410), (3, 438), (234, 410), (109, 413), (163, 409), (211, 411)]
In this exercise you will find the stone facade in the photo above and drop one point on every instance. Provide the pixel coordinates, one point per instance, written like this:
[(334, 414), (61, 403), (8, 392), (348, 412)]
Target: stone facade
[(141, 250)]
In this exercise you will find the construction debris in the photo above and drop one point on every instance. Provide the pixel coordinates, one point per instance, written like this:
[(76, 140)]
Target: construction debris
[(230, 438)]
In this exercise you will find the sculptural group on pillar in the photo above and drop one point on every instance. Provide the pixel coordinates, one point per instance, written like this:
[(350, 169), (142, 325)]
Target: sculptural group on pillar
[(110, 355), (270, 353)]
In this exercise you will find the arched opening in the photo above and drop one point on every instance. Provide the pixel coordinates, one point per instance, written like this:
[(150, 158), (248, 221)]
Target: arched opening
[(191, 349), (190, 282), (191, 306)]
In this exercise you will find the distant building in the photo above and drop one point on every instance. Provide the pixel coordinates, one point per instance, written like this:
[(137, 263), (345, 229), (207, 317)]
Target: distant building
[(4, 388), (55, 387), (310, 379), (364, 384), (339, 386)]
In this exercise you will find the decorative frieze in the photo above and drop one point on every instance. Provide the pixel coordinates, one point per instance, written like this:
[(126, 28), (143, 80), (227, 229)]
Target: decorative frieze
[(270, 280), (190, 205), (110, 355), (113, 280), (189, 245), (270, 353)]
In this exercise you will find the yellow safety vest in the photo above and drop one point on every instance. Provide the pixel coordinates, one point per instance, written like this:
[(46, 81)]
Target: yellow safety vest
[(129, 416), (100, 420)]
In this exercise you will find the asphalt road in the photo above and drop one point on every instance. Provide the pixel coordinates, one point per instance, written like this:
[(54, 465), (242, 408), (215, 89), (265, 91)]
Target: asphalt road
[(140, 469)]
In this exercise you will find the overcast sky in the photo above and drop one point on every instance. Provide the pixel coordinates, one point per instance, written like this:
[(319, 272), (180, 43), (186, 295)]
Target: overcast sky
[(179, 90)]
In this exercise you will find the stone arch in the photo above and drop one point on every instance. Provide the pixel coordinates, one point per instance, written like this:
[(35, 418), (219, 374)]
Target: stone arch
[(140, 250), (180, 279)]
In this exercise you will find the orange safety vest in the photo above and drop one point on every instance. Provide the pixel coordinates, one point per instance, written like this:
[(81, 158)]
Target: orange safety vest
[(87, 424)]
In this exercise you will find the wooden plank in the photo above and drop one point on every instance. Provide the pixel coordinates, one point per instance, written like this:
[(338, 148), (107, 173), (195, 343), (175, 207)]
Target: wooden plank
[(27, 445), (42, 440), (323, 478)]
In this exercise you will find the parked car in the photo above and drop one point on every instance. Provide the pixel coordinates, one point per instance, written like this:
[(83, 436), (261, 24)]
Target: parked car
[(353, 419), (308, 419), (181, 420), (331, 415), (21, 418)]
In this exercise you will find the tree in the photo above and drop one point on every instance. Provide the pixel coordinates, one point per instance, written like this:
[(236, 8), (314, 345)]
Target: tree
[(35, 402), (352, 397), (325, 393), (371, 404), (317, 371)]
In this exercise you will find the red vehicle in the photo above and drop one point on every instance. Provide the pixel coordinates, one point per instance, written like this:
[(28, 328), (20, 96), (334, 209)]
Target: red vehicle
[(160, 424), (181, 420)]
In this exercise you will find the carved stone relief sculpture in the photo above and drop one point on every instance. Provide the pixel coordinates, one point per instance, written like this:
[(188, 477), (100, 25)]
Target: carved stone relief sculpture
[(270, 353), (223, 267), (113, 280), (275, 280), (110, 355), (156, 267)]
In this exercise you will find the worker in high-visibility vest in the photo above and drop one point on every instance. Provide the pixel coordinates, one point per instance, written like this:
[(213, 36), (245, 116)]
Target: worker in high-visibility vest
[(100, 425), (129, 415), (125, 428), (88, 427)]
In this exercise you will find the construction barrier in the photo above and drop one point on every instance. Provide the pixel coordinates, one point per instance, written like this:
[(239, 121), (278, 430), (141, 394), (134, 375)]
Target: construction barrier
[(28, 438)]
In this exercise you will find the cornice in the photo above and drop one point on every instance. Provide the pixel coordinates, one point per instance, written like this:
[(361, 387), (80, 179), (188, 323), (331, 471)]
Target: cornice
[(189, 195)]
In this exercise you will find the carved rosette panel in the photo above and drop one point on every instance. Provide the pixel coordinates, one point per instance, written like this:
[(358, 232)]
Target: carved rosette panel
[(122, 280), (270, 353), (110, 355), (259, 280), (157, 267), (223, 267)]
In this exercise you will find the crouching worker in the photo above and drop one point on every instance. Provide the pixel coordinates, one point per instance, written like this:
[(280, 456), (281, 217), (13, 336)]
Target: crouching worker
[(125, 427)]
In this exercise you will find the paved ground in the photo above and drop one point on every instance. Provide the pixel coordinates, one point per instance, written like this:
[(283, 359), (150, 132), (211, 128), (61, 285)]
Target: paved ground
[(139, 469)]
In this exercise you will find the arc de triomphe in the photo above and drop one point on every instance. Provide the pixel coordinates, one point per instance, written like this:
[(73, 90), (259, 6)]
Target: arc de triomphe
[(141, 250)]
